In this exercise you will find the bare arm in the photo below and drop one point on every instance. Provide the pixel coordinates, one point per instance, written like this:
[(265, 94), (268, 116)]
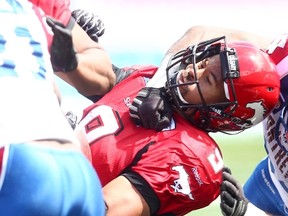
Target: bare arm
[(94, 74), (197, 34), (123, 199)]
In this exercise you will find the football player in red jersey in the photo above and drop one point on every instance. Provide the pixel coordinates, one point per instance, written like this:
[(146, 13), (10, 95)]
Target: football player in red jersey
[(178, 169), (270, 200), (267, 186), (139, 166)]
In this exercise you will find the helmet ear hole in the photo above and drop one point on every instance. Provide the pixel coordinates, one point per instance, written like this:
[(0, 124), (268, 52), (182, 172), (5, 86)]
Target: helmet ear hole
[(270, 89)]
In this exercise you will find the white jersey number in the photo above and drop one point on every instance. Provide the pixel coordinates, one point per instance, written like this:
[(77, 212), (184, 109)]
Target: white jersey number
[(101, 121), (216, 161)]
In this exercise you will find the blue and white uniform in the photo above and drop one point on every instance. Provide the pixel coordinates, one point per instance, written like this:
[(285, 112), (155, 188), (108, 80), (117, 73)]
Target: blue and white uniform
[(267, 187), (37, 179)]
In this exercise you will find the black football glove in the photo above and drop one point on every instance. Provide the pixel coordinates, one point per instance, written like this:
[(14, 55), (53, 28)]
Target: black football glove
[(90, 23), (63, 55), (151, 109), (233, 202)]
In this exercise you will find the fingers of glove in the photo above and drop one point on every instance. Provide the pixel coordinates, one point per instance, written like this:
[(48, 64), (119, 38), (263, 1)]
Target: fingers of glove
[(144, 93), (228, 203), (94, 25), (78, 14), (146, 109), (136, 120), (226, 176), (61, 35), (228, 199), (94, 37), (148, 119), (230, 188), (53, 23), (234, 187), (151, 120), (154, 118), (226, 209), (133, 114), (84, 19), (240, 208), (227, 170), (149, 112), (165, 111), (162, 124), (133, 111), (165, 116), (89, 22)]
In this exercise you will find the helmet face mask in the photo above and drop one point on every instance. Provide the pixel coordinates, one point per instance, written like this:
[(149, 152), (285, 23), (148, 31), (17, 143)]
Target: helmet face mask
[(222, 115)]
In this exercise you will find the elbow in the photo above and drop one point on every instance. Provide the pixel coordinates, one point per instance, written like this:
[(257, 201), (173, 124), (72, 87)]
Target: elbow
[(111, 82), (99, 85)]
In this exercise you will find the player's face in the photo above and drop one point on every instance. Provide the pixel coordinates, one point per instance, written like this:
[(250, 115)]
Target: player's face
[(210, 82)]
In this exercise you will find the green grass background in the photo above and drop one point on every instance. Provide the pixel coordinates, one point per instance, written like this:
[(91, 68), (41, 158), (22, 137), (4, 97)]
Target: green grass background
[(241, 153)]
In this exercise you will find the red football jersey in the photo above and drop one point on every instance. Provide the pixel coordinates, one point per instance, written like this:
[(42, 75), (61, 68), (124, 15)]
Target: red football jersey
[(58, 9), (278, 51), (183, 165)]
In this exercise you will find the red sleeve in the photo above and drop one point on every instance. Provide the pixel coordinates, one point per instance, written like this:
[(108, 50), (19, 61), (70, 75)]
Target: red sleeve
[(278, 51), (59, 9)]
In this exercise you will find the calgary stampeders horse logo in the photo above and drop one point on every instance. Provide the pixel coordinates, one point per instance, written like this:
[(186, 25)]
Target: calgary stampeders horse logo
[(181, 185), (258, 113)]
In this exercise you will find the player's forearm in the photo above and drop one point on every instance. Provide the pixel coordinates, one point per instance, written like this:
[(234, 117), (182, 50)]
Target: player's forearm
[(95, 68), (122, 198), (93, 75)]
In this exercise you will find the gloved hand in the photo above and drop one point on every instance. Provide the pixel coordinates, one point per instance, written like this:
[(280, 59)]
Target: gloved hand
[(90, 23), (233, 202), (63, 55), (151, 109)]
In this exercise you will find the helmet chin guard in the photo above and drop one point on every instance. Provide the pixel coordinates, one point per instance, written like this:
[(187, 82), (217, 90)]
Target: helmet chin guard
[(232, 114)]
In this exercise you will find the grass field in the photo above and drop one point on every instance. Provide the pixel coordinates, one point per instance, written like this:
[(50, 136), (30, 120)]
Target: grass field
[(241, 153)]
